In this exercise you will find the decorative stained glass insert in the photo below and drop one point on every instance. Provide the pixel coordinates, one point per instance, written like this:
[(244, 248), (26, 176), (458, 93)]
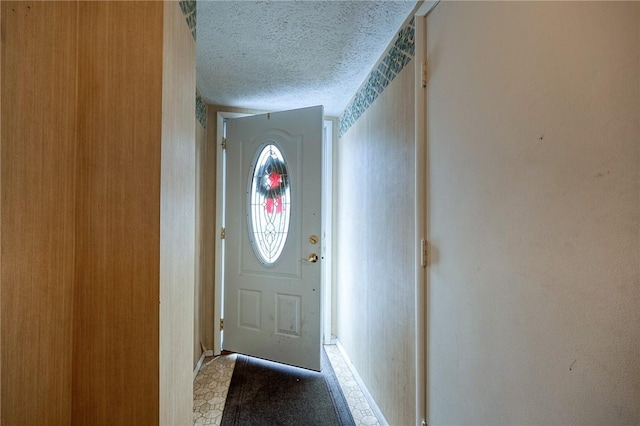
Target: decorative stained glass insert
[(269, 204)]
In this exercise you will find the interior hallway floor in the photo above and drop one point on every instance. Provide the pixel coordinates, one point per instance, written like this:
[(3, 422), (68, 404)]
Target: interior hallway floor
[(212, 384)]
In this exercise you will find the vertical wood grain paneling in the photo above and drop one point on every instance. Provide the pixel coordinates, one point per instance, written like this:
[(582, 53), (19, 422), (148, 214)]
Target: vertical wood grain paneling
[(116, 323), (37, 210), (375, 258), (177, 221), (200, 296), (1, 335)]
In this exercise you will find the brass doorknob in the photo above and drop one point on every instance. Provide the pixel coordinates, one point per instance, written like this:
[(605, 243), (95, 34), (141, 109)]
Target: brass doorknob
[(313, 258)]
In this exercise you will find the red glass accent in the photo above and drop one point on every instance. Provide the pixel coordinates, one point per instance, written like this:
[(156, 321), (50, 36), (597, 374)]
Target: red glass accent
[(274, 204), (274, 180)]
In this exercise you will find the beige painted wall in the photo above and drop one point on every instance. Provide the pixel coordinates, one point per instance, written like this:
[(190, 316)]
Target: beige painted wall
[(533, 133), (375, 220)]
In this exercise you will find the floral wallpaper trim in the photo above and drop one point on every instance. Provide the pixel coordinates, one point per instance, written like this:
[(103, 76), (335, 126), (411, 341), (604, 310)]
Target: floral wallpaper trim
[(392, 62), (201, 110), (188, 8)]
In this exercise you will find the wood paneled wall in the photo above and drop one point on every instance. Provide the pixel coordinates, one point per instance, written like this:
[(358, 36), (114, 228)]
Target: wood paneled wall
[(116, 318), (201, 301), (37, 218), (90, 247), (177, 220), (375, 253), (208, 233)]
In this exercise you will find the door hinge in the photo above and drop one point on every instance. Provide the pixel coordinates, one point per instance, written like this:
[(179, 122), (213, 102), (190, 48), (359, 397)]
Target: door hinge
[(224, 143), (221, 324), (424, 252), (223, 233), (424, 73)]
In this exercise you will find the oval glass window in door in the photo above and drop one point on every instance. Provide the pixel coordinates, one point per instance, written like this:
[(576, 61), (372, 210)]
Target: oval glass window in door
[(269, 204)]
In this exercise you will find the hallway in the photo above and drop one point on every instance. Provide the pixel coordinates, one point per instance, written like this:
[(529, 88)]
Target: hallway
[(485, 246)]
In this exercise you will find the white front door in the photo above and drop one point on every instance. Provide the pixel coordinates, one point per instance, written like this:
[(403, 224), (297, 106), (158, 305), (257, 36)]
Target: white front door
[(272, 236)]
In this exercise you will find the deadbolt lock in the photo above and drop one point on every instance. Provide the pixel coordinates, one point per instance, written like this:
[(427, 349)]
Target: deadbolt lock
[(313, 239)]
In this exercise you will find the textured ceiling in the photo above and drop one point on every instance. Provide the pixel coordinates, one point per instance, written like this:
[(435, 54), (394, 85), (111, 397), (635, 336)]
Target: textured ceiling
[(278, 55)]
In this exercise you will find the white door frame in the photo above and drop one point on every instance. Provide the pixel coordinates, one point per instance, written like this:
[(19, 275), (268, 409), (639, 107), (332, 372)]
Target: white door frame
[(422, 211), (327, 230), (218, 301), (327, 168), (421, 242)]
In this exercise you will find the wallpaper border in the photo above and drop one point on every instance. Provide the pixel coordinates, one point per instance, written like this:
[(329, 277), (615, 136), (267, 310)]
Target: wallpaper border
[(396, 57)]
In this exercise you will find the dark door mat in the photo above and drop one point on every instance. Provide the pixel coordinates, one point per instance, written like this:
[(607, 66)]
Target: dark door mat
[(267, 393)]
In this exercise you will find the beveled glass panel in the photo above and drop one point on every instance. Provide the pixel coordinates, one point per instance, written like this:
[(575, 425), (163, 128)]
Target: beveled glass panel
[(269, 204)]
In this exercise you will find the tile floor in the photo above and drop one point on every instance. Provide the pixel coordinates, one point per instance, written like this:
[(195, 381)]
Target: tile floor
[(212, 383), (358, 404), (210, 389)]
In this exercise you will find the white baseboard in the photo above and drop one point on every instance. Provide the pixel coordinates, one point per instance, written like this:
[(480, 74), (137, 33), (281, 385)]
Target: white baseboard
[(199, 365), (363, 387)]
